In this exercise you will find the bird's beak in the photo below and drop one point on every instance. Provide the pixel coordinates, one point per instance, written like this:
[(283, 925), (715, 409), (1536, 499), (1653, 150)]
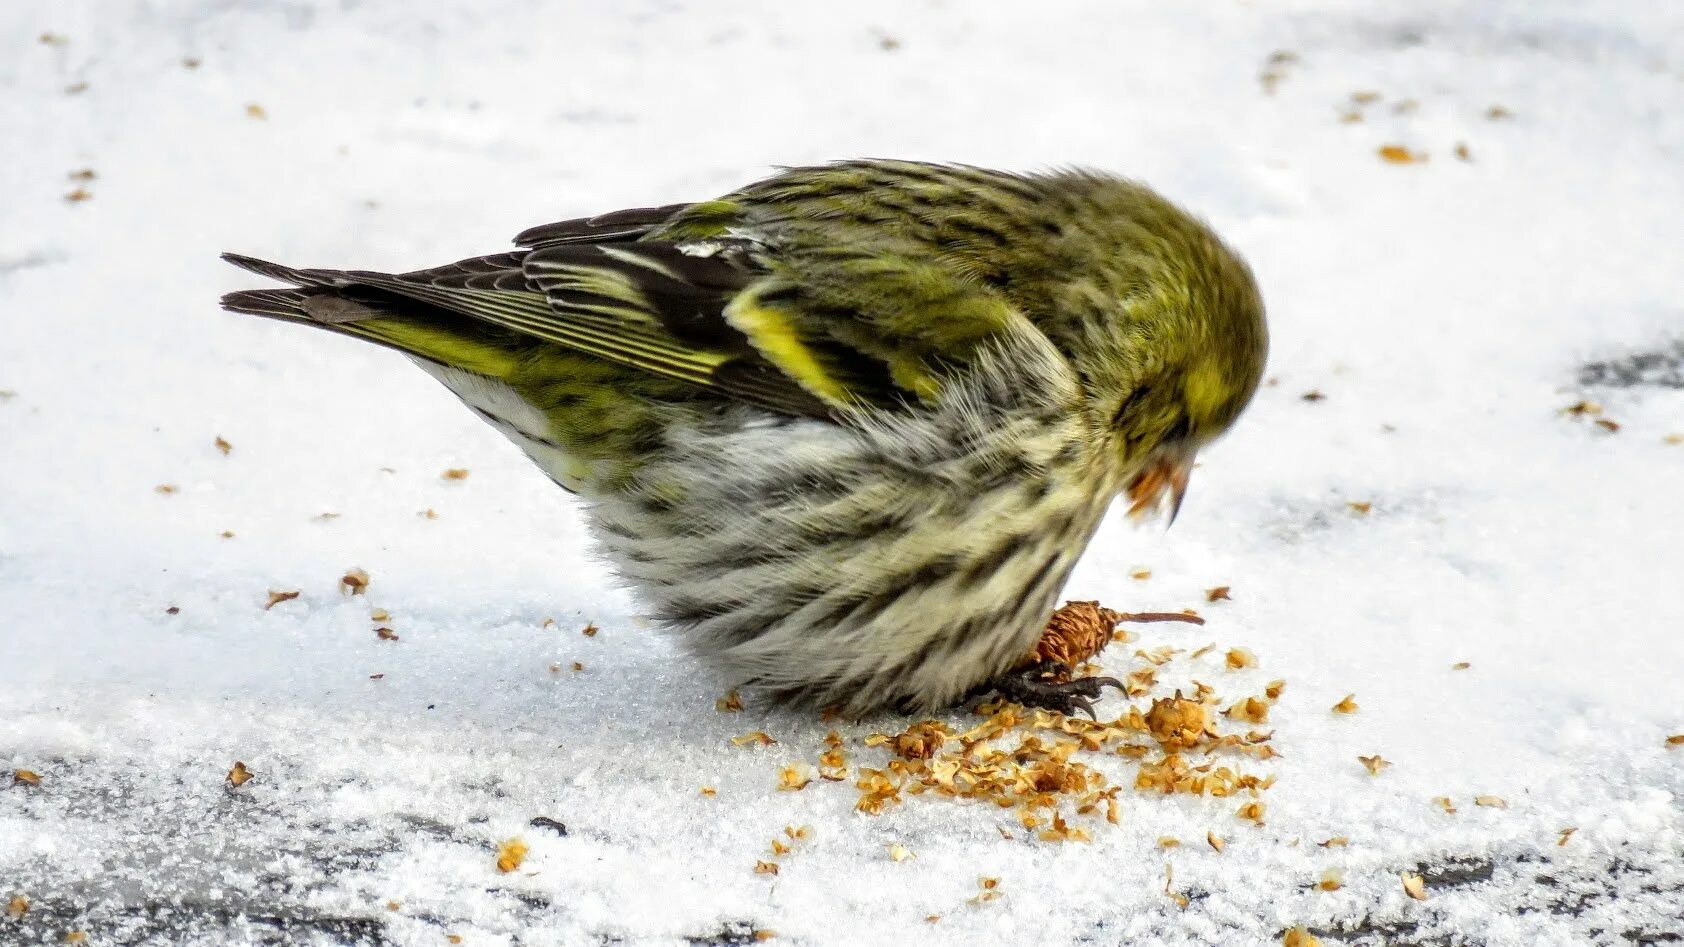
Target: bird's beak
[(1168, 472)]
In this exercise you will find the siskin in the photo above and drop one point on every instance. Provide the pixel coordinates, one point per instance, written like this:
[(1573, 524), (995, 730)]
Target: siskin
[(848, 429)]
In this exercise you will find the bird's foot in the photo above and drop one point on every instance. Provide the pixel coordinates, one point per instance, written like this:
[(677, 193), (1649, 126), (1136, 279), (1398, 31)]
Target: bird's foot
[(1047, 685)]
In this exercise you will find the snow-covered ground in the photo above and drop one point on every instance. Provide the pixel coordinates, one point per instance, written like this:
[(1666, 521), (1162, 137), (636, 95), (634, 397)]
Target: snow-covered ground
[(1447, 311)]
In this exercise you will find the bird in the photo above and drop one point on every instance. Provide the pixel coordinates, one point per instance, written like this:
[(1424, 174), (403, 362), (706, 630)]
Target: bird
[(846, 430)]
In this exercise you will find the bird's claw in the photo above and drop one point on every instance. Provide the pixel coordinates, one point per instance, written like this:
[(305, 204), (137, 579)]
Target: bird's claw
[(1028, 686)]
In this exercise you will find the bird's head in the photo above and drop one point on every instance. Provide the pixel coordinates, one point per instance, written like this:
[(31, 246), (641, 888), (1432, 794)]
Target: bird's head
[(1163, 324)]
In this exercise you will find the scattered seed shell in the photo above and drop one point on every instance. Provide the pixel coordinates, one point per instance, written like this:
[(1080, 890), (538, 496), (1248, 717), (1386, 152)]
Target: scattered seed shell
[(794, 777), (1299, 937), (510, 854), (1374, 764), (1250, 709), (1399, 154)]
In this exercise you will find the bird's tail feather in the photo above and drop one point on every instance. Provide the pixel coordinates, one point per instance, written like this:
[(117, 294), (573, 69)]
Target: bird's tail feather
[(286, 304), (276, 271), (326, 299)]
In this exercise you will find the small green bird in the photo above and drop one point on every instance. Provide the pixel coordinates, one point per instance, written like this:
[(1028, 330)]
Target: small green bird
[(846, 430)]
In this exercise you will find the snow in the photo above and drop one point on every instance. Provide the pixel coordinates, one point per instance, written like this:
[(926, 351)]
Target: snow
[(1446, 310)]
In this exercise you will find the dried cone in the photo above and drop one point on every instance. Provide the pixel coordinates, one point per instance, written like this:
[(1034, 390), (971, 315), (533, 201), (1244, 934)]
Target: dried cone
[(1075, 633), (1176, 722)]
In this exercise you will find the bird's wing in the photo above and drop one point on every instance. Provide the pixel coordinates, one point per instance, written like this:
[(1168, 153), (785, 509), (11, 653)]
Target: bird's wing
[(794, 327), (815, 273), (696, 295)]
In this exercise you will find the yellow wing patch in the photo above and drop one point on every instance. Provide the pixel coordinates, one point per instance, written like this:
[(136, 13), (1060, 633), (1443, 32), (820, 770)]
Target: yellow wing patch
[(438, 344), (910, 373), (773, 335)]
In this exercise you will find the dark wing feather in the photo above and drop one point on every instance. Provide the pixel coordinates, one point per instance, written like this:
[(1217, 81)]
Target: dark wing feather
[(497, 271), (647, 306), (645, 286), (618, 225)]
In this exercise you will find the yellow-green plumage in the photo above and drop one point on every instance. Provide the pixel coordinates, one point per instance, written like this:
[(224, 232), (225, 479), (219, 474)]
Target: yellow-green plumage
[(846, 429)]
